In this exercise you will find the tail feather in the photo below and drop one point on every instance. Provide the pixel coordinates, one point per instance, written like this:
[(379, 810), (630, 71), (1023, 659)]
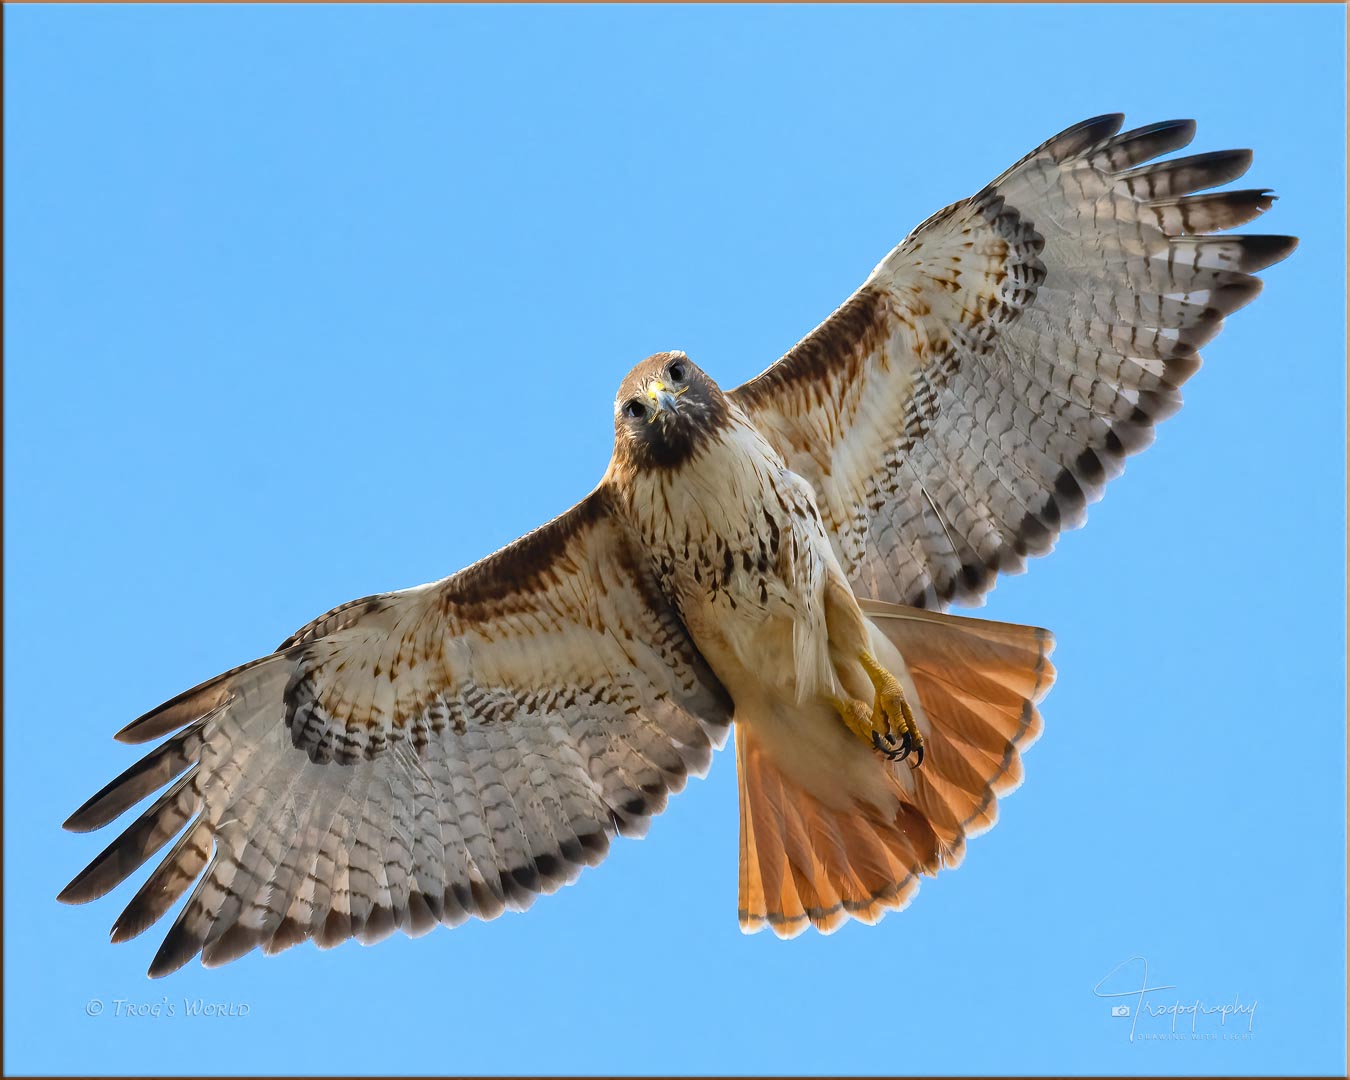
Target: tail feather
[(806, 864), (809, 860), (886, 882), (978, 683), (772, 879), (806, 861)]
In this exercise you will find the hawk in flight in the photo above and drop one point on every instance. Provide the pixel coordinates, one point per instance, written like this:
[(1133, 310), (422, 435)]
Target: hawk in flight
[(776, 555)]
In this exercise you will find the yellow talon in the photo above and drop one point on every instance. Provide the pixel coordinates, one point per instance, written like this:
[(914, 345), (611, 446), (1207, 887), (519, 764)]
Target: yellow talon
[(893, 729)]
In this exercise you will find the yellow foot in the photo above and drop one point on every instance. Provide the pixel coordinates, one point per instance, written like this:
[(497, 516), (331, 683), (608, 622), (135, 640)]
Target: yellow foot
[(857, 716), (894, 730)]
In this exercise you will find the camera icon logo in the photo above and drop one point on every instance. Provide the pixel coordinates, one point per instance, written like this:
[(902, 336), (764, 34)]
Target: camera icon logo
[(1120, 1010)]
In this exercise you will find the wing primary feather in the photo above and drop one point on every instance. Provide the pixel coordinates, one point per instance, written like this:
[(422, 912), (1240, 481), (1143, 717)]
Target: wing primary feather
[(130, 851), (1129, 148), (149, 774), (186, 707), (171, 878)]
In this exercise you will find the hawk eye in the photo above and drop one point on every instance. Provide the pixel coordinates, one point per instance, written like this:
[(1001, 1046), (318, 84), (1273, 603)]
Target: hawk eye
[(635, 410), (676, 372)]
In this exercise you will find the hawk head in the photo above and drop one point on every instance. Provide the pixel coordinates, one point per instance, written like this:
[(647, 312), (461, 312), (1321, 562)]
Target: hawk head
[(666, 409)]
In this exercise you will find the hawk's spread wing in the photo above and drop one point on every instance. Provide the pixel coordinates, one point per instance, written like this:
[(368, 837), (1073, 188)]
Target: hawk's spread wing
[(416, 757), (975, 394)]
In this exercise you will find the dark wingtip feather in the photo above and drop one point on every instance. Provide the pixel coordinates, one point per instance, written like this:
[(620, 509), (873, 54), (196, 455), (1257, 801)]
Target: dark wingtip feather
[(1235, 295), (1259, 252), (161, 890), (236, 941), (1180, 176), (174, 951), (80, 820), (86, 818), (1074, 140), (1069, 143), (289, 932), (1230, 163), (1240, 206), (1138, 145), (136, 846), (173, 714), (130, 924), (1108, 122), (70, 894), (186, 707), (83, 887), (149, 774), (125, 929), (1182, 128)]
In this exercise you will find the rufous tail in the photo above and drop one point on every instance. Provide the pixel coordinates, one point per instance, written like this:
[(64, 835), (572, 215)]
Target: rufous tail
[(974, 686)]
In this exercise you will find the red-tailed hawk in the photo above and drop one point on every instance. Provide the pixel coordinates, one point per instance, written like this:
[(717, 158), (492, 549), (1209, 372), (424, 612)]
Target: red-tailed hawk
[(773, 555)]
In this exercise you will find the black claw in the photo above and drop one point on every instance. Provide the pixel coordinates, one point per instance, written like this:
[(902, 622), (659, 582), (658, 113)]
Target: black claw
[(897, 749), (886, 746)]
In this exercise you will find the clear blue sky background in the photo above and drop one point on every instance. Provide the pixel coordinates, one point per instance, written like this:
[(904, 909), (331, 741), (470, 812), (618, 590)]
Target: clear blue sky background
[(306, 303)]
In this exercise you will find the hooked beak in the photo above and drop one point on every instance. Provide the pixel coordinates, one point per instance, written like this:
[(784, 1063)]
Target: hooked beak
[(660, 397)]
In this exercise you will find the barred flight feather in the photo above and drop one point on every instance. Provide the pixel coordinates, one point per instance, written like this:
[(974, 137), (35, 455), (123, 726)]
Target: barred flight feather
[(998, 366), (410, 759)]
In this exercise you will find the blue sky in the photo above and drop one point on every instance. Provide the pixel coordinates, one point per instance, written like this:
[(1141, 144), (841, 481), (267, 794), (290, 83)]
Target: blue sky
[(307, 303)]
